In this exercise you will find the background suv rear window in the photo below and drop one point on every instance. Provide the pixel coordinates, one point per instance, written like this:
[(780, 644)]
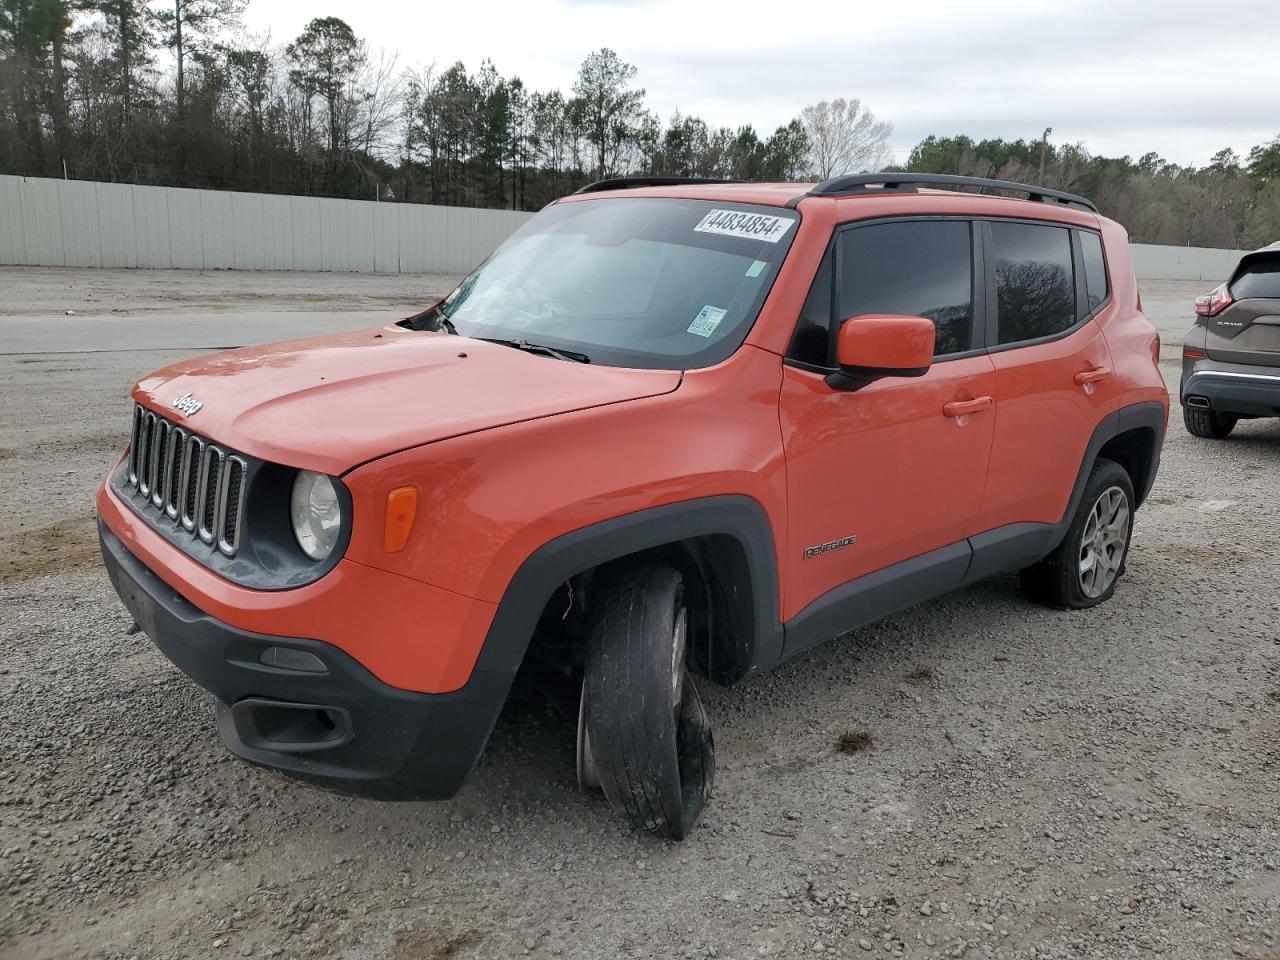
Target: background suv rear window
[(1260, 279), (918, 268), (1035, 282)]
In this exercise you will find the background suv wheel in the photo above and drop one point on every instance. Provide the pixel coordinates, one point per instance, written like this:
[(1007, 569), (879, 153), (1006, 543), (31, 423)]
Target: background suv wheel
[(1205, 423)]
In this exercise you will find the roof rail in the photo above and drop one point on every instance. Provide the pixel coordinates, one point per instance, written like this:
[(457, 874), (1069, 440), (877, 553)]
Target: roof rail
[(859, 183), (625, 183)]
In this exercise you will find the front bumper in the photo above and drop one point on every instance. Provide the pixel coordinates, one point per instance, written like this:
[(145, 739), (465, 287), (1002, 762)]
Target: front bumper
[(1232, 388), (342, 728)]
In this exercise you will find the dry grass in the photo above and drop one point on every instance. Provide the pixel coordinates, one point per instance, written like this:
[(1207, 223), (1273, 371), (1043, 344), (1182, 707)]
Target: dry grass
[(855, 741)]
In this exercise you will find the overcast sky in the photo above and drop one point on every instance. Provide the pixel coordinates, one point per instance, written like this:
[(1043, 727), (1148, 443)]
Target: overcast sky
[(1182, 77)]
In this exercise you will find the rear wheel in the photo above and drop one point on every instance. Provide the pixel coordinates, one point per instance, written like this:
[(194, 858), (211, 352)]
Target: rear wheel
[(1205, 423), (1085, 568), (645, 738)]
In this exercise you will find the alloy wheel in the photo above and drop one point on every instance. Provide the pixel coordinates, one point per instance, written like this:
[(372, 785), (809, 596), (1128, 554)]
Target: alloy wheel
[(1102, 545)]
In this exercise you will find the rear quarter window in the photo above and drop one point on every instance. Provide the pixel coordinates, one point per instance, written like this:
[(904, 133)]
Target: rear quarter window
[(1260, 279), (1095, 269)]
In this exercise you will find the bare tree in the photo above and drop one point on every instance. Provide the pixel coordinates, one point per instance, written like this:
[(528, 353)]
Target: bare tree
[(377, 95), (844, 137), (191, 23)]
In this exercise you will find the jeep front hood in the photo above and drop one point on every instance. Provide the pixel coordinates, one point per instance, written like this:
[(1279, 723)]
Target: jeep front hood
[(333, 402)]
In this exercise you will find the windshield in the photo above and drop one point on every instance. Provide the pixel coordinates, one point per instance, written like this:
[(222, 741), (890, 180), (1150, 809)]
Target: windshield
[(637, 282)]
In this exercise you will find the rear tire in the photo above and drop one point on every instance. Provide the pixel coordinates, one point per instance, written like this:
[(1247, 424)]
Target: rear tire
[(650, 741), (1084, 569), (1205, 423)]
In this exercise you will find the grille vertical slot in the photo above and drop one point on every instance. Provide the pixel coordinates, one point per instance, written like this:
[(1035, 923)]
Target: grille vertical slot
[(146, 435), (192, 455), (135, 439), (159, 450), (210, 479), (174, 450), (230, 505)]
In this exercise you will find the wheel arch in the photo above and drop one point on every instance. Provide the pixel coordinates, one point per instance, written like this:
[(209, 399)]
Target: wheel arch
[(1137, 449), (1133, 437), (726, 541)]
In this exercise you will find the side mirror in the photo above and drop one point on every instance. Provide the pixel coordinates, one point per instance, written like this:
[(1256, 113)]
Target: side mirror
[(882, 345)]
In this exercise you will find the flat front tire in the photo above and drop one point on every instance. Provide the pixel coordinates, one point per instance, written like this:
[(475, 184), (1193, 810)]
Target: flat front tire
[(651, 749)]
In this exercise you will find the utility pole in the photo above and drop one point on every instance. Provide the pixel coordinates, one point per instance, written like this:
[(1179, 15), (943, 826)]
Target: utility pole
[(1044, 149)]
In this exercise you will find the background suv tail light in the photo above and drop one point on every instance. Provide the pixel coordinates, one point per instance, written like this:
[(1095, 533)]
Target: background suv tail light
[(1214, 302)]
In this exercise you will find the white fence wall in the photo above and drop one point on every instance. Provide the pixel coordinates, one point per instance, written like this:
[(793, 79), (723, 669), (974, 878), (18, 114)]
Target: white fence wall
[(1151, 262), (76, 223)]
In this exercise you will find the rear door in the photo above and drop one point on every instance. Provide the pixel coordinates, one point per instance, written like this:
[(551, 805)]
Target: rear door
[(1052, 367), (1248, 331)]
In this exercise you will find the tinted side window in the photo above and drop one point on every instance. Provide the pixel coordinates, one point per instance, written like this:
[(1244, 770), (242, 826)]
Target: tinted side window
[(1260, 279), (919, 268), (812, 340), (1095, 269), (1035, 283)]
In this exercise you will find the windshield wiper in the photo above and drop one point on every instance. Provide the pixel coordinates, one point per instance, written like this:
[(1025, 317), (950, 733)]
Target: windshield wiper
[(542, 349)]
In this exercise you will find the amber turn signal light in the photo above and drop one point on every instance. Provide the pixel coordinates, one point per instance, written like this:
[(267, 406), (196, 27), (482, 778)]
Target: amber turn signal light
[(402, 508)]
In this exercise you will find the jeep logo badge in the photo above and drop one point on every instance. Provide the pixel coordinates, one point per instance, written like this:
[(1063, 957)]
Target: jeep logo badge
[(188, 404)]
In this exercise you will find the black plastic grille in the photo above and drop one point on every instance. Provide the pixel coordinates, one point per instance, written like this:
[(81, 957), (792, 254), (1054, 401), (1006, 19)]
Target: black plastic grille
[(186, 478)]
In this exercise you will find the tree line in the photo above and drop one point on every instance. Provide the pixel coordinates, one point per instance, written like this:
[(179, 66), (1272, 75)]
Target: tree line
[(1233, 202), (175, 93), (83, 95)]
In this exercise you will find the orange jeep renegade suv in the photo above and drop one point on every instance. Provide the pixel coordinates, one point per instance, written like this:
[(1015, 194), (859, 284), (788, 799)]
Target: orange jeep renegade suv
[(669, 430)]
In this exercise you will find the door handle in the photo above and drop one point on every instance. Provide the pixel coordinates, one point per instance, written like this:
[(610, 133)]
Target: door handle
[(963, 408), (1096, 375)]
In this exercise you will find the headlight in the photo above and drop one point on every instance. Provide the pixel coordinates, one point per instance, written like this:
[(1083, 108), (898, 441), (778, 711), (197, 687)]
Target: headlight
[(316, 513)]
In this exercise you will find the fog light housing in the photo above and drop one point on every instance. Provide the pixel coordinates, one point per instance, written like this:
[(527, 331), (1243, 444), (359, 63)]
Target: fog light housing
[(291, 658)]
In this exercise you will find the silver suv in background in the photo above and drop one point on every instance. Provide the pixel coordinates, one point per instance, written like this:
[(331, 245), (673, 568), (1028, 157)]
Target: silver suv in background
[(1231, 357)]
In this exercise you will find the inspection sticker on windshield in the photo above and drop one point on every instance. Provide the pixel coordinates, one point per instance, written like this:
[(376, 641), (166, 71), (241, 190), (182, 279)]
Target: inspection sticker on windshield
[(752, 226), (705, 323)]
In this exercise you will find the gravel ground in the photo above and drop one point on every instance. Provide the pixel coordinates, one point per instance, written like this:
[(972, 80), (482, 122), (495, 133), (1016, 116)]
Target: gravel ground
[(1036, 784)]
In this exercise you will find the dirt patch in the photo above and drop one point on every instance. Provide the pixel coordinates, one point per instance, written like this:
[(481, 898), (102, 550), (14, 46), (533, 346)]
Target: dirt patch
[(65, 545), (111, 442), (422, 945), (921, 674), (1210, 556), (855, 741)]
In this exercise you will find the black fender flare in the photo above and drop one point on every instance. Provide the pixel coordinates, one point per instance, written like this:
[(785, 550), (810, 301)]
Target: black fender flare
[(543, 571), (1149, 416)]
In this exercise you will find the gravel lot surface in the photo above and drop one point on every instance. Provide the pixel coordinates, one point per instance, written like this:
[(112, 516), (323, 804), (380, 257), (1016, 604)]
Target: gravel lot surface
[(1038, 784)]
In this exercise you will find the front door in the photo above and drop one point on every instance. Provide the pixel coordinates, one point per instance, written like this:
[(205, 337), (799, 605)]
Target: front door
[(896, 469)]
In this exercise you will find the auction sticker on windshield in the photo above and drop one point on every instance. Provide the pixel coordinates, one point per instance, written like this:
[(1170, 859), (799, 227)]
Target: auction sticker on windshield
[(752, 226)]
